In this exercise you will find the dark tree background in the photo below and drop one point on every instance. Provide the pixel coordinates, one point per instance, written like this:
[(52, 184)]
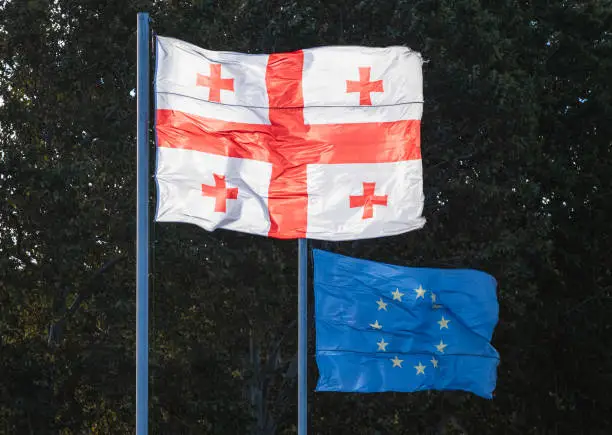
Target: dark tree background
[(517, 149)]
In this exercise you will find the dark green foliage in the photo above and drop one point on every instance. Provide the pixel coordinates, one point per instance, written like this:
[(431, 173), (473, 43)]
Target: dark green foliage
[(517, 148)]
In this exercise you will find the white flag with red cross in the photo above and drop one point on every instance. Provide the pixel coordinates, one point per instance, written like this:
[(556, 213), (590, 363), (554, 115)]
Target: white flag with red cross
[(320, 143)]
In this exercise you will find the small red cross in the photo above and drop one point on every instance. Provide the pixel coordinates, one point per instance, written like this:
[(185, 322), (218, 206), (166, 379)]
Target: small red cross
[(215, 83), (368, 200), (220, 192), (364, 86)]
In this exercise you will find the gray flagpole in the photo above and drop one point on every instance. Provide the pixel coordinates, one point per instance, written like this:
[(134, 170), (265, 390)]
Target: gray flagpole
[(302, 335), (142, 226)]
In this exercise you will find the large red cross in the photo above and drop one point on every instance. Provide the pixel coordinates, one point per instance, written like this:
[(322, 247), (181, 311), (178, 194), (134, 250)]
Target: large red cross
[(215, 83), (364, 86), (288, 144), (368, 200), (220, 192)]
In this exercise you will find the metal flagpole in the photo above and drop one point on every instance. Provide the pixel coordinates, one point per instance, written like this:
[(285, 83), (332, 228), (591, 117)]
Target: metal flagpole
[(142, 227), (302, 335)]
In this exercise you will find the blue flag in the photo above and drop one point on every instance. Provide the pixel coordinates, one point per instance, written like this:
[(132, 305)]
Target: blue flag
[(382, 327)]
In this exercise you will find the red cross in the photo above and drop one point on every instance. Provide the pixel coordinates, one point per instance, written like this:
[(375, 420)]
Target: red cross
[(215, 83), (368, 200), (364, 86), (288, 144), (220, 192)]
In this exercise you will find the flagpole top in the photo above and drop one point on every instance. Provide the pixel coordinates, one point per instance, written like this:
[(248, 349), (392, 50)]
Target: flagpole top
[(144, 16)]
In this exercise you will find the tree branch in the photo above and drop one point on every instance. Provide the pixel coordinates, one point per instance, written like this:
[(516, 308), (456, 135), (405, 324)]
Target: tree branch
[(56, 327)]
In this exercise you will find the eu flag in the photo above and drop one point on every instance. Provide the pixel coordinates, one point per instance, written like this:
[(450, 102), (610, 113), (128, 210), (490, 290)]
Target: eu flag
[(382, 327)]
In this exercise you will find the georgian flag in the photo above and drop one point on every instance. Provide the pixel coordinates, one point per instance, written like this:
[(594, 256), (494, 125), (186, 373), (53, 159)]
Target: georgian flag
[(321, 143)]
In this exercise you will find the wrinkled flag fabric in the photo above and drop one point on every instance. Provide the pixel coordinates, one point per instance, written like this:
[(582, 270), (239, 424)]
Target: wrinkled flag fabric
[(319, 143), (382, 327)]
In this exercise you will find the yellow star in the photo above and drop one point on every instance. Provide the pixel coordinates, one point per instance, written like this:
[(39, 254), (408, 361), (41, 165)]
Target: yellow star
[(376, 325), (420, 292), (397, 362), (381, 305), (382, 345), (433, 297), (434, 361), (397, 296), (441, 346), (420, 369), (443, 323)]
